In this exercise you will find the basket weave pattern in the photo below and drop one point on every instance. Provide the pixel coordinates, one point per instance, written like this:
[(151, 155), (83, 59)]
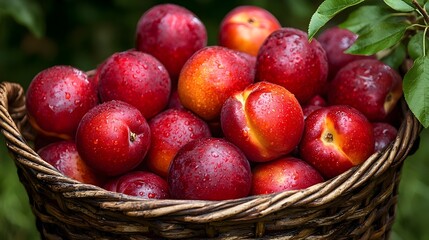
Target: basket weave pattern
[(359, 204)]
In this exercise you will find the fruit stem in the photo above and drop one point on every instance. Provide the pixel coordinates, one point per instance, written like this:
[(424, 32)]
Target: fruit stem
[(422, 11), (133, 137), (424, 42), (329, 137)]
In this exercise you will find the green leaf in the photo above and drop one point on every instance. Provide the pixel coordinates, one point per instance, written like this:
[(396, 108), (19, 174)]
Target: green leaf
[(399, 5), (364, 16), (415, 45), (379, 36), (416, 89), (25, 12), (396, 57), (326, 11)]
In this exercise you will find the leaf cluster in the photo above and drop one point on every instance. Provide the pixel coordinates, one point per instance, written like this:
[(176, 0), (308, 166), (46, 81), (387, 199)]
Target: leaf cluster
[(395, 31)]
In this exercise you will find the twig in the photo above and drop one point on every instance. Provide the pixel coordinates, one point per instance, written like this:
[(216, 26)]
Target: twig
[(422, 11)]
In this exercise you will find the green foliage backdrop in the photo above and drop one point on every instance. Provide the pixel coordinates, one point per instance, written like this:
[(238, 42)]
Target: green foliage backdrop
[(37, 34)]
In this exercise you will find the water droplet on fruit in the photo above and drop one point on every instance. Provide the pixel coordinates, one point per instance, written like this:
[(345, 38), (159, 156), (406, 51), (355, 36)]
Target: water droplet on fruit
[(96, 141), (215, 154), (205, 178), (144, 66), (245, 133), (151, 195)]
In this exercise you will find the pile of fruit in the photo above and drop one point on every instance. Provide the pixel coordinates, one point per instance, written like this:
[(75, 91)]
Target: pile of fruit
[(266, 110)]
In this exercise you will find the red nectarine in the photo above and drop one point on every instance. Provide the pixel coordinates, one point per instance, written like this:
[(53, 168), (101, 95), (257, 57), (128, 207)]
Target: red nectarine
[(264, 120), (335, 139), (113, 138)]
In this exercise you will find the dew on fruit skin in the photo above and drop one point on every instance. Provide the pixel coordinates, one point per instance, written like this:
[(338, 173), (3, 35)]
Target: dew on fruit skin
[(151, 195), (96, 141), (214, 154), (245, 132), (220, 66), (205, 178)]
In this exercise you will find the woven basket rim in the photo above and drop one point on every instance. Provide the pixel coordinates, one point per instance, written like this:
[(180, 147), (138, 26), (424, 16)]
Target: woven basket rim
[(12, 99)]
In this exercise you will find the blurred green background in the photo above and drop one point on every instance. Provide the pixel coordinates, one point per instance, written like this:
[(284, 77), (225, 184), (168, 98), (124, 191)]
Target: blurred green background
[(35, 35)]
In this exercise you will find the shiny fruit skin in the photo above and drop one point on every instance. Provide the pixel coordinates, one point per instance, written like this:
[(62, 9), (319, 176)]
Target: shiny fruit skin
[(171, 33), (63, 156), (335, 139), (288, 59), (384, 134), (113, 138), (56, 100), (143, 184), (283, 174), (136, 78), (210, 76), (171, 130), (245, 28), (336, 41), (369, 85), (209, 169), (264, 120)]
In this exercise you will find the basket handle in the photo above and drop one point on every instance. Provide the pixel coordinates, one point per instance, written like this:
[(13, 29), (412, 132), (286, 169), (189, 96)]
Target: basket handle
[(12, 102), (16, 129)]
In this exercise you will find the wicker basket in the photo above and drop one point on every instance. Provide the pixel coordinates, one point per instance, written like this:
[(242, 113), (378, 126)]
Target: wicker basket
[(359, 204)]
